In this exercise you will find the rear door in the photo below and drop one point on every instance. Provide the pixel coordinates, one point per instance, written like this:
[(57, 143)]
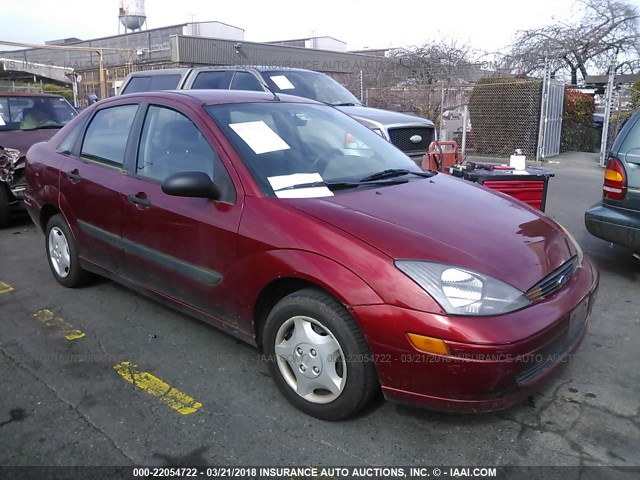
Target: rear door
[(90, 185), (180, 247)]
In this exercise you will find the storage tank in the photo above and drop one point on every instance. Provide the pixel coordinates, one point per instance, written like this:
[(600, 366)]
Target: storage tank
[(132, 14)]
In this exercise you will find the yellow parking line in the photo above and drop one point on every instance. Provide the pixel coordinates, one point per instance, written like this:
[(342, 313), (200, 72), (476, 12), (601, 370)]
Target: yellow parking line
[(5, 288), (47, 317), (155, 387)]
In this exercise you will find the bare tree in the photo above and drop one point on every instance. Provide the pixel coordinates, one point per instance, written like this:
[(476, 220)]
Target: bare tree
[(606, 34), (443, 60)]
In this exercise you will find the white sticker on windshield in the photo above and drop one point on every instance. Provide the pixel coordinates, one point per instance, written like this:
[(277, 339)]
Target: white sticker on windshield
[(281, 182), (259, 136), (2, 124), (282, 82)]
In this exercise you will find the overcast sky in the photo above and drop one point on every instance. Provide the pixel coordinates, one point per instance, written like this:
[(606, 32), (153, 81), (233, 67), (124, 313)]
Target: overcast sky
[(485, 25)]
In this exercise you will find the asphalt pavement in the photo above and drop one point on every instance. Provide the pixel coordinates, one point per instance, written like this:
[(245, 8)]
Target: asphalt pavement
[(103, 376)]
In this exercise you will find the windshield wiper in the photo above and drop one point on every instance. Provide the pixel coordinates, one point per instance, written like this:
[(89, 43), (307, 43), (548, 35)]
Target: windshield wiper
[(395, 172), (43, 127), (346, 104), (338, 185)]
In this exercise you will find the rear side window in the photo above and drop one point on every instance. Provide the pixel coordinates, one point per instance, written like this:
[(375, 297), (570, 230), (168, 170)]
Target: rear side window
[(215, 79), (69, 141), (246, 81), (632, 140), (152, 83), (106, 137)]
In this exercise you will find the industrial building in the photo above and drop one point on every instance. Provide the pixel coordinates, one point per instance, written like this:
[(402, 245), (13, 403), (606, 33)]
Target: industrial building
[(99, 65)]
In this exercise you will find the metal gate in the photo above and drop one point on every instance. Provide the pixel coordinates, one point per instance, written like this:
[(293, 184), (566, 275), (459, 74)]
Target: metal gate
[(551, 112)]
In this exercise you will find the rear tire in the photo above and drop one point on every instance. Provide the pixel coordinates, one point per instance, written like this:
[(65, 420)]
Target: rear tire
[(318, 356), (63, 254)]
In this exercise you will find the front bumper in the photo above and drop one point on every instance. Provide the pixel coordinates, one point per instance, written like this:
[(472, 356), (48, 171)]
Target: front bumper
[(617, 225), (494, 362)]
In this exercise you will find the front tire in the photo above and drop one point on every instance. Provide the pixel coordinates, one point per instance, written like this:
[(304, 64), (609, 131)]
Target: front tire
[(318, 356), (63, 254), (5, 212)]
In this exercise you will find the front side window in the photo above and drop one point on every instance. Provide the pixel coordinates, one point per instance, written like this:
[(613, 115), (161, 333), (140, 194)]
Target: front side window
[(171, 143), (106, 137), (246, 81)]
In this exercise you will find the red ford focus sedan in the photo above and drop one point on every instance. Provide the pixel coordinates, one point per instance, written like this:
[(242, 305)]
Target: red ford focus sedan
[(290, 225)]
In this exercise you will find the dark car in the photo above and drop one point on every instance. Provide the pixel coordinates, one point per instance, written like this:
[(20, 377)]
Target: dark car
[(294, 227), (617, 217), (409, 133), (25, 119)]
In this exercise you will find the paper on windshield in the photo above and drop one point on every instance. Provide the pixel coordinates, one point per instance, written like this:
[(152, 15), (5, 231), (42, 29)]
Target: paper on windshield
[(2, 124), (284, 181), (259, 136), (283, 82)]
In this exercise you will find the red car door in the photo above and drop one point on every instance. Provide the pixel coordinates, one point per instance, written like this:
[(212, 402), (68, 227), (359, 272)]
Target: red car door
[(90, 186), (177, 246)]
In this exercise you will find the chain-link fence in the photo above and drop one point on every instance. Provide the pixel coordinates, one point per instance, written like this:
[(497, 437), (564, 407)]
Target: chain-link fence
[(491, 118), (37, 87)]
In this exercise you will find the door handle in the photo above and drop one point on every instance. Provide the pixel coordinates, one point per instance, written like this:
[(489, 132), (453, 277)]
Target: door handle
[(139, 199), (74, 175)]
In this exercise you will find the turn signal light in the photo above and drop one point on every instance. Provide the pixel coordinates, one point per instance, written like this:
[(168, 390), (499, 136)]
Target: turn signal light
[(615, 180), (428, 344)]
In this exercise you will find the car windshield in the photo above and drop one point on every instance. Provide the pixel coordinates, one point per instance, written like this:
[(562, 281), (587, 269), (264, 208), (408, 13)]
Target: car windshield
[(296, 150), (308, 84), (23, 112)]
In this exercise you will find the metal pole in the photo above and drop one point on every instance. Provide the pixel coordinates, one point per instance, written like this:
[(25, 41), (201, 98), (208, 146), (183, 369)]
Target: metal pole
[(103, 83), (465, 114), (607, 114), (74, 86), (361, 86), (543, 112), (441, 112)]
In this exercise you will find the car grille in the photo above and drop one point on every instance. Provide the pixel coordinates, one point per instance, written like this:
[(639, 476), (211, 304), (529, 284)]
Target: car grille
[(400, 137), (552, 282), (550, 356)]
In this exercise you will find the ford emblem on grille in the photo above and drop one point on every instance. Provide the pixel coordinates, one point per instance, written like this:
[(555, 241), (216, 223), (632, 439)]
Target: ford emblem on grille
[(562, 280), (415, 139)]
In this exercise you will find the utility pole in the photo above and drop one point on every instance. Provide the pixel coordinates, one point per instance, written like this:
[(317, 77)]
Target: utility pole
[(607, 114)]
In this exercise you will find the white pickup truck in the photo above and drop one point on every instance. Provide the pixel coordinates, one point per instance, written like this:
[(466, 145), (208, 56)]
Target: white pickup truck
[(409, 133)]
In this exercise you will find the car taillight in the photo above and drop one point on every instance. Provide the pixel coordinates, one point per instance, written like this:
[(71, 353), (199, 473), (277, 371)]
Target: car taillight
[(615, 180)]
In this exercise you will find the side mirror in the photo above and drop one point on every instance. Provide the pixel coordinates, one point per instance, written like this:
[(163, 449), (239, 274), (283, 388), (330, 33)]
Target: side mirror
[(191, 184)]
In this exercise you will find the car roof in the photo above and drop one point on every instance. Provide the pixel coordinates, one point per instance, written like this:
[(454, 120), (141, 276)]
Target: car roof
[(162, 71), (258, 68), (7, 93), (214, 97)]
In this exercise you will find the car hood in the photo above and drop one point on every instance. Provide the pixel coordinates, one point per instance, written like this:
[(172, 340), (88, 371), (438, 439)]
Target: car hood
[(384, 117), (448, 220), (23, 139)]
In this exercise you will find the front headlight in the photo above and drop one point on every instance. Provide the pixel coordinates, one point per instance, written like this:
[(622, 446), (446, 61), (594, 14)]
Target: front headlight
[(463, 292)]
